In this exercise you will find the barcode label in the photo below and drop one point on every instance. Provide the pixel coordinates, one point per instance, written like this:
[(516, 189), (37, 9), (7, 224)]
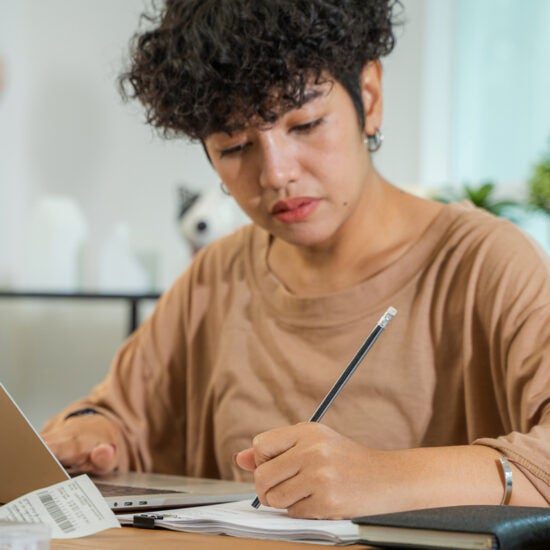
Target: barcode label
[(63, 522)]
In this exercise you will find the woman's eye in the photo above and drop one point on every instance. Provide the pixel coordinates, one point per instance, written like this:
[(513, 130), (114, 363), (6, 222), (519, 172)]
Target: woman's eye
[(308, 126), (234, 150)]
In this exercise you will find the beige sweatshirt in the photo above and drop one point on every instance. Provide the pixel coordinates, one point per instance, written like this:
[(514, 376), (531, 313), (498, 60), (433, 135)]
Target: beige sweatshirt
[(229, 353)]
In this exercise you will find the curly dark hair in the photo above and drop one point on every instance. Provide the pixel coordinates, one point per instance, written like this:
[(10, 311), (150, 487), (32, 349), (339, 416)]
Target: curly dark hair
[(207, 66)]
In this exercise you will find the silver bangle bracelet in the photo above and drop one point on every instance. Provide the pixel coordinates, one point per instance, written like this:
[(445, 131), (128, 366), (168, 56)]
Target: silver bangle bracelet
[(508, 480)]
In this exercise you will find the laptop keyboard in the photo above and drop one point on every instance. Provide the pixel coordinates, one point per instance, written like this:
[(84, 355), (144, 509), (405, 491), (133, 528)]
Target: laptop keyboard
[(110, 490)]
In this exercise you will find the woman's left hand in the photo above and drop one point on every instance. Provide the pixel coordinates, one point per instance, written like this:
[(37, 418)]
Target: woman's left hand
[(315, 472)]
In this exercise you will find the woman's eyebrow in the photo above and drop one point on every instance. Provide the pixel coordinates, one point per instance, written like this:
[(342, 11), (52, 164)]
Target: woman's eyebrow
[(310, 95), (307, 97)]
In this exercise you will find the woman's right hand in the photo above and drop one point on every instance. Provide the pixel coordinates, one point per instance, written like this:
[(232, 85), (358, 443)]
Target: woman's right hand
[(84, 444)]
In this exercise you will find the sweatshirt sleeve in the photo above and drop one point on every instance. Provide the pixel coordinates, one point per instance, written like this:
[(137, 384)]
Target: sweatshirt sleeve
[(144, 393), (514, 315)]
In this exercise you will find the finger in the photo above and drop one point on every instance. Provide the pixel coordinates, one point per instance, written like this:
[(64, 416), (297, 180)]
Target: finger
[(272, 443), (100, 460), (71, 451), (245, 460), (275, 472), (85, 443), (103, 459), (288, 492)]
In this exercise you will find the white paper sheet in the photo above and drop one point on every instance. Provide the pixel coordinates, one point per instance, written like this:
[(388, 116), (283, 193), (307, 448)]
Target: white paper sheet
[(72, 508), (241, 520)]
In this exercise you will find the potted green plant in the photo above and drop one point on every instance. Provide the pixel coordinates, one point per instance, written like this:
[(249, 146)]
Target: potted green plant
[(538, 191), (482, 196), (539, 185)]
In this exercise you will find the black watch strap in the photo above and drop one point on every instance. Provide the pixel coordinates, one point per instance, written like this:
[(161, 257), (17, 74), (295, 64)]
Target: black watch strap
[(82, 412)]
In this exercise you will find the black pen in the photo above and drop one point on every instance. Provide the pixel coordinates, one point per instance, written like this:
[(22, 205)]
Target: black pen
[(349, 370)]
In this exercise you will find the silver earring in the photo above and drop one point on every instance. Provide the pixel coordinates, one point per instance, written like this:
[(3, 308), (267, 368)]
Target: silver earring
[(374, 141), (224, 189)]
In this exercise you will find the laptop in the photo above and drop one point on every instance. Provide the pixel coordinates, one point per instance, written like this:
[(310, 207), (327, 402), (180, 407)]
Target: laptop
[(27, 464)]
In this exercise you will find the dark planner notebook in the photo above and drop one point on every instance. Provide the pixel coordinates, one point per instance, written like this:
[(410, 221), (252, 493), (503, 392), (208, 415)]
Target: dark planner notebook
[(468, 527)]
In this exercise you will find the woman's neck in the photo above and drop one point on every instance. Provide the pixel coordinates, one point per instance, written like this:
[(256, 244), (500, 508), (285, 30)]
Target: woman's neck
[(388, 224)]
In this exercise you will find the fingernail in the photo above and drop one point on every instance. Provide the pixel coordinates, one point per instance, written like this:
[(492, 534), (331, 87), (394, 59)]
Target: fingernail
[(235, 458)]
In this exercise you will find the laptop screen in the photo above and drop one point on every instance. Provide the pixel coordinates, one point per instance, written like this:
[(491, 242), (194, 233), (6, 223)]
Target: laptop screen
[(26, 463)]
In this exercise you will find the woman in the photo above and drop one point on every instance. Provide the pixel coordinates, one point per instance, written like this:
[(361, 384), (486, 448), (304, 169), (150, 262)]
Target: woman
[(286, 98)]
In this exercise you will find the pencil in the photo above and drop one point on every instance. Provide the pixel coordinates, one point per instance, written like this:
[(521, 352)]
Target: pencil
[(348, 371)]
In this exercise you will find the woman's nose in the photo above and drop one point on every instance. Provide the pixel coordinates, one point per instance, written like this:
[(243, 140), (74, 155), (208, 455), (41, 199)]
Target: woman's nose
[(279, 163)]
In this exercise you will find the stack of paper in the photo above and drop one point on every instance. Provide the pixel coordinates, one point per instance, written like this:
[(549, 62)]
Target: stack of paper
[(239, 519)]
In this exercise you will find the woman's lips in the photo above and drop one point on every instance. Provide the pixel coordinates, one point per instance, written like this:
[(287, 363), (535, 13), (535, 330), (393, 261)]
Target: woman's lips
[(294, 210)]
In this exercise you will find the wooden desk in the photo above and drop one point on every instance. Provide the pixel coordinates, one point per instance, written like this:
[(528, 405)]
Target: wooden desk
[(127, 538)]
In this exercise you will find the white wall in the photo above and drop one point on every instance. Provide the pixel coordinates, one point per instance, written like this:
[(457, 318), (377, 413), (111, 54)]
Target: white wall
[(66, 132), (501, 115), (398, 159)]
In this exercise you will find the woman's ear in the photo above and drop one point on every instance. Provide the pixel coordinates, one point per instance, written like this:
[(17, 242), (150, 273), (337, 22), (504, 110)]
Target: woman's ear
[(371, 93)]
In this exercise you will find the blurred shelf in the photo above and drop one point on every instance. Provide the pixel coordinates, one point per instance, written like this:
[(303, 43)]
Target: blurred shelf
[(133, 299)]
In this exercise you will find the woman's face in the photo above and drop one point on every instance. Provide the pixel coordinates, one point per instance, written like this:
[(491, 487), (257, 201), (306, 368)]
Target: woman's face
[(302, 177)]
